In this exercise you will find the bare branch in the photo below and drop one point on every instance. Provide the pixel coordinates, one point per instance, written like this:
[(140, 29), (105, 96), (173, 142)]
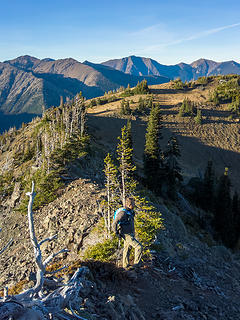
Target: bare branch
[(53, 255), (48, 239), (56, 271)]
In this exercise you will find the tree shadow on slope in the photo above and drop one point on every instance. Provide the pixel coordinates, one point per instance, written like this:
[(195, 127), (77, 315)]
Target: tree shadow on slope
[(169, 91), (195, 154)]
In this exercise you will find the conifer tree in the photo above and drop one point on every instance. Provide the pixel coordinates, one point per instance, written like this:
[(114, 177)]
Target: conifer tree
[(207, 197), (129, 133), (111, 184), (152, 161), (222, 215), (235, 219), (172, 168), (126, 167), (198, 118)]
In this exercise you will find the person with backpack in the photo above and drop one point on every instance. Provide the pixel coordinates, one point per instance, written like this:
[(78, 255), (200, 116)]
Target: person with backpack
[(123, 226)]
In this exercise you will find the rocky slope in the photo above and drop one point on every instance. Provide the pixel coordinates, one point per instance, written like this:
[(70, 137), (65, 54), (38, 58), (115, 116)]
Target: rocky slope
[(191, 277)]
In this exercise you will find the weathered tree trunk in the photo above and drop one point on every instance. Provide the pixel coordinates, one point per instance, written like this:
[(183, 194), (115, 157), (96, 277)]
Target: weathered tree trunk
[(33, 303)]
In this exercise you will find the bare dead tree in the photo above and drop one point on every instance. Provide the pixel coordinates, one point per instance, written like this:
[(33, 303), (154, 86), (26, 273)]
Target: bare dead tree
[(83, 119), (34, 303)]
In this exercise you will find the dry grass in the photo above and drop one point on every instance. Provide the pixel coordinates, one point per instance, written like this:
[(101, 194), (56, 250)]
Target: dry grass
[(217, 138)]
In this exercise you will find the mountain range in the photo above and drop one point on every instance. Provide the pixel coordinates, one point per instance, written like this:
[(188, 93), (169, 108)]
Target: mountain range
[(146, 66), (27, 83)]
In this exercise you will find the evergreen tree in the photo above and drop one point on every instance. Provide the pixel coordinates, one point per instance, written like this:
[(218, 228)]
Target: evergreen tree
[(187, 108), (236, 219), (126, 167), (172, 168), (222, 215), (141, 88), (111, 184), (198, 118), (207, 197), (129, 133), (141, 104), (152, 161), (127, 108)]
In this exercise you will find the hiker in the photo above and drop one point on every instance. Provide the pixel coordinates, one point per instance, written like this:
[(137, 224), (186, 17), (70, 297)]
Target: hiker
[(123, 226)]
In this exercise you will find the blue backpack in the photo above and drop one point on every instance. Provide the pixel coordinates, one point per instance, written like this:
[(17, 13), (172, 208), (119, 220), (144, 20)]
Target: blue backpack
[(118, 211)]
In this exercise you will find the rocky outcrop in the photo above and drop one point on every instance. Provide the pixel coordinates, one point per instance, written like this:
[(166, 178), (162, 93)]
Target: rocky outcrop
[(71, 217)]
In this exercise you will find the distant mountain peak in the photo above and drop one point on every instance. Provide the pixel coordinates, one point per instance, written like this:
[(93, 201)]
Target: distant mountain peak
[(48, 60), (24, 62)]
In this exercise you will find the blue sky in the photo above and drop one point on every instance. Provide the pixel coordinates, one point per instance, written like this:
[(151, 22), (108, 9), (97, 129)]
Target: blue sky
[(167, 31)]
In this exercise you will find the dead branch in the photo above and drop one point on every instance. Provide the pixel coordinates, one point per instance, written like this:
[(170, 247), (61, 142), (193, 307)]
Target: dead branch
[(34, 303)]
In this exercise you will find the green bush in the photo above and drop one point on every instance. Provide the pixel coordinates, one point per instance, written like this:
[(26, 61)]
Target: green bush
[(46, 186), (187, 108), (141, 88), (76, 147), (6, 184), (148, 223), (93, 103), (202, 80), (235, 105), (125, 108), (102, 251), (144, 105), (227, 90), (178, 84), (198, 118)]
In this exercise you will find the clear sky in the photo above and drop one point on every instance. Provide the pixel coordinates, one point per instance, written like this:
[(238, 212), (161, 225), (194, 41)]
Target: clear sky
[(170, 31)]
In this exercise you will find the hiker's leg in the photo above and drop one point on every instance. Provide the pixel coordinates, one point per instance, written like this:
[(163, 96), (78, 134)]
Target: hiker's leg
[(138, 249), (126, 251)]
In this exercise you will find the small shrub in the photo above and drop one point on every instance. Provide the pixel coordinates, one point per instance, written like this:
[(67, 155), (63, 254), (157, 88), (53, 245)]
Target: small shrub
[(178, 84), (202, 80), (6, 184), (93, 103), (187, 108), (141, 88), (198, 118), (125, 108), (103, 251), (46, 187)]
